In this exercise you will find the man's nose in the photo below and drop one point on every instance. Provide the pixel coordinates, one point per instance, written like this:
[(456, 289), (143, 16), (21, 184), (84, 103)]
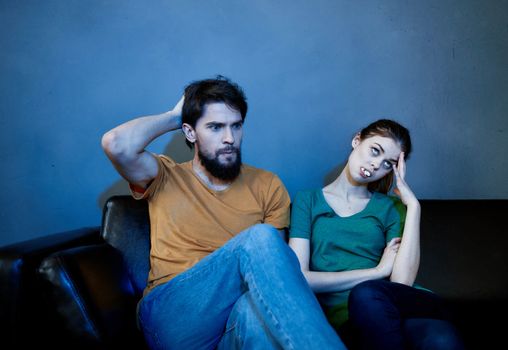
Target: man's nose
[(228, 136)]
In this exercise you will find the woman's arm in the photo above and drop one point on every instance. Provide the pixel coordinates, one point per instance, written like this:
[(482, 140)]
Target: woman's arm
[(321, 282), (407, 260)]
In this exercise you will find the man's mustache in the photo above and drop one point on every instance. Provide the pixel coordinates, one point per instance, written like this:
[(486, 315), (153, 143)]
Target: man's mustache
[(230, 149)]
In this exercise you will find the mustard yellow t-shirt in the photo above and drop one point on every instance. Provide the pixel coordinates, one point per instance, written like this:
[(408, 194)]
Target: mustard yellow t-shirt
[(188, 220)]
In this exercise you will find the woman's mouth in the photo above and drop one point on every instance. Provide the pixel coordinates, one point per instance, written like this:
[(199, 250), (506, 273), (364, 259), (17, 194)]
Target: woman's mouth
[(365, 173)]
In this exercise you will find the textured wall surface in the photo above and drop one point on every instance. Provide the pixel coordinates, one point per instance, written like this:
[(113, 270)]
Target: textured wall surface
[(314, 73)]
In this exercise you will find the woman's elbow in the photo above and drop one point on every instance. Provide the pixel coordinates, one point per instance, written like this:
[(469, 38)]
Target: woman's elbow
[(407, 278)]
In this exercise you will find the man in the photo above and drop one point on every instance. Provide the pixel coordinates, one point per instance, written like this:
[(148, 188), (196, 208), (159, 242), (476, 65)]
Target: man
[(220, 275)]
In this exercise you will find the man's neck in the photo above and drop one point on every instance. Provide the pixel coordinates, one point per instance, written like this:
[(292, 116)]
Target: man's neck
[(210, 181)]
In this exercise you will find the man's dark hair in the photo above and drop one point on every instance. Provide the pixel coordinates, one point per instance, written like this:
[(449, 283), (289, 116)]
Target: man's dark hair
[(220, 89)]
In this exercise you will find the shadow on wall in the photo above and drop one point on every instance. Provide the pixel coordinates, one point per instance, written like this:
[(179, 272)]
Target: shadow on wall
[(176, 149), (333, 174), (179, 152)]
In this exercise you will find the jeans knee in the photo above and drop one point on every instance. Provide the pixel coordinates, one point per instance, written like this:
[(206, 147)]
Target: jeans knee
[(264, 235), (365, 292), (442, 337), (368, 298), (441, 342), (264, 242)]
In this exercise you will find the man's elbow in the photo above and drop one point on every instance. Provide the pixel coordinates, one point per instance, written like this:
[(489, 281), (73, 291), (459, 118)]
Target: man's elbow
[(112, 145)]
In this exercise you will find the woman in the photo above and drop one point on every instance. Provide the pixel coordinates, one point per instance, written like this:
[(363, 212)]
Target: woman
[(359, 249)]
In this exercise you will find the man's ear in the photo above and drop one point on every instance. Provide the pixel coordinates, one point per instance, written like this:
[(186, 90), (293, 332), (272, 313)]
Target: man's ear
[(356, 140), (189, 132)]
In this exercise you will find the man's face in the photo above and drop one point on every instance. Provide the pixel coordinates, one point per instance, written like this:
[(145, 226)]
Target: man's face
[(218, 140)]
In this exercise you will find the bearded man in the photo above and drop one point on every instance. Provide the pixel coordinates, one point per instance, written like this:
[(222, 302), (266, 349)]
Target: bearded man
[(221, 275)]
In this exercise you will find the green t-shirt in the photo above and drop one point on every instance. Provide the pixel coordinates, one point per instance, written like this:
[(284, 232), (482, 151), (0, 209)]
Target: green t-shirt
[(344, 243)]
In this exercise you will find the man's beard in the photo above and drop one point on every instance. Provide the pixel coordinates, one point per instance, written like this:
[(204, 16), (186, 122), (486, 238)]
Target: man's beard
[(217, 169)]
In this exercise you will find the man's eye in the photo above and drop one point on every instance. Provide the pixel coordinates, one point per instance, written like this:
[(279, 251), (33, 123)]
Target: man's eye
[(214, 127), (237, 126)]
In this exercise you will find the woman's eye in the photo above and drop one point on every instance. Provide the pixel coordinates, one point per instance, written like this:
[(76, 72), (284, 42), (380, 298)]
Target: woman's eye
[(374, 151), (387, 165)]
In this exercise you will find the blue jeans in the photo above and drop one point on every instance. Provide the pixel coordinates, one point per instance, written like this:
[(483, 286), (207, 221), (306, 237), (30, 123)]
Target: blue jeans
[(388, 315), (248, 294)]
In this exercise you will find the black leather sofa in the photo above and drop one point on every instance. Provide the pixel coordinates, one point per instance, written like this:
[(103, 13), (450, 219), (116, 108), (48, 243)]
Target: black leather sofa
[(79, 289)]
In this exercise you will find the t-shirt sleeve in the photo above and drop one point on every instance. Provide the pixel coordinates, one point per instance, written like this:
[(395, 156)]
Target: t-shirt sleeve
[(301, 216), (165, 164), (396, 218), (277, 205)]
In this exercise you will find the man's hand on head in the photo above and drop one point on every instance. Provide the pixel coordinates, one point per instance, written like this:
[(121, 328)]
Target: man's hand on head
[(176, 112)]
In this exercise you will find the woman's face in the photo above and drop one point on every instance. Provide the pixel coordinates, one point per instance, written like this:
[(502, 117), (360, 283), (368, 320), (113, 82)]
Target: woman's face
[(372, 158)]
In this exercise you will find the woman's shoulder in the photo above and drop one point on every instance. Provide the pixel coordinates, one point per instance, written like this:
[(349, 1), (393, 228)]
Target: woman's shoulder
[(385, 197), (311, 201), (308, 195), (388, 202)]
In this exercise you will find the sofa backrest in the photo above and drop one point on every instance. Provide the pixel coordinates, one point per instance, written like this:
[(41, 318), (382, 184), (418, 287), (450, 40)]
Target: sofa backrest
[(462, 242), (126, 227), (463, 249)]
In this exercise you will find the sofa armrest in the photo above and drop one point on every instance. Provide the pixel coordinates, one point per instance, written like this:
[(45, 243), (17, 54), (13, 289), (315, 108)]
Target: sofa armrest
[(19, 300), (92, 298)]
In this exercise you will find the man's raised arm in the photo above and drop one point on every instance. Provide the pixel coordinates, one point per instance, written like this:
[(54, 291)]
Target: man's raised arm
[(125, 145)]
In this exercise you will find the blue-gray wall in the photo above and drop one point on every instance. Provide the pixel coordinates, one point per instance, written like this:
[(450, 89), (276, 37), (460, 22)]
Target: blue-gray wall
[(314, 73)]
